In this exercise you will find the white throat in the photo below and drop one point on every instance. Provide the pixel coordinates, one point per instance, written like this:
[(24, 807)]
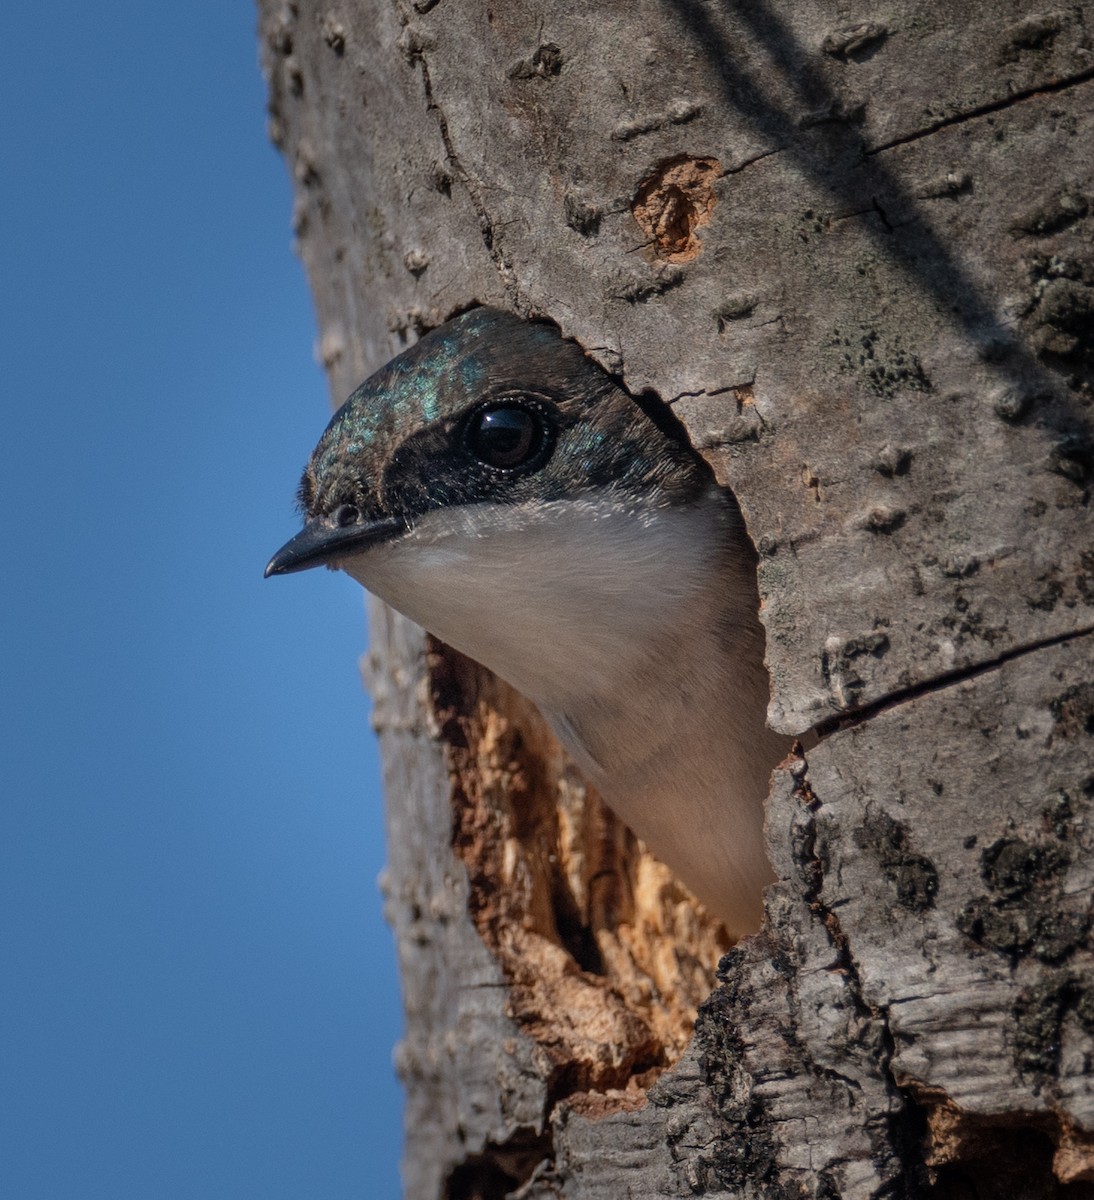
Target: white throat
[(637, 635)]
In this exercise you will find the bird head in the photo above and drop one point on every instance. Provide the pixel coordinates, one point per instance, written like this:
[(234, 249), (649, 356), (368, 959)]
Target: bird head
[(490, 417)]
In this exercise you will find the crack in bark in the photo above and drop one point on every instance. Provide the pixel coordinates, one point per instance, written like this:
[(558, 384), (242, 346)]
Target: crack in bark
[(984, 110), (866, 712), (904, 1134), (748, 162), (486, 222)]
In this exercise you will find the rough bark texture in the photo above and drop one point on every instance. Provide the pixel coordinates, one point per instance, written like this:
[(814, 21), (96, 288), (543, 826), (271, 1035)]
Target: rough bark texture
[(854, 248)]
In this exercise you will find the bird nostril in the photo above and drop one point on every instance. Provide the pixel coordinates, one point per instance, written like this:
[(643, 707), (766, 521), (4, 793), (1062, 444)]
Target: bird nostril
[(345, 514)]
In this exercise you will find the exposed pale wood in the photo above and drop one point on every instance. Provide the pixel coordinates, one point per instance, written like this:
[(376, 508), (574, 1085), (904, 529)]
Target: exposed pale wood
[(854, 249)]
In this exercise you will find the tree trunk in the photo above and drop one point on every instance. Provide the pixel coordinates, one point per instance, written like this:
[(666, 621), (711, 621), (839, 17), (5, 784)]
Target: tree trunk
[(853, 249)]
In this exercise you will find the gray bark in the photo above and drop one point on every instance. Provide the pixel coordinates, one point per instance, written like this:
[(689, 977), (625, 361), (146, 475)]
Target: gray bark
[(853, 248)]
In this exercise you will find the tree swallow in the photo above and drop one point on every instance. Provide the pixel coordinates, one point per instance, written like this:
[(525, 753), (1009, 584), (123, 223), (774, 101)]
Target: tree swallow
[(498, 488)]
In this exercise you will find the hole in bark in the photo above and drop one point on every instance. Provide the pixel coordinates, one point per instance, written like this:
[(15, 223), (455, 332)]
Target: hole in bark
[(673, 202), (595, 938), (574, 931), (975, 1158), (499, 1170)]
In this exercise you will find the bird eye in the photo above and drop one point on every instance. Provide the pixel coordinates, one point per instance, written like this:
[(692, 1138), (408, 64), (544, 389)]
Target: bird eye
[(506, 436), (345, 515)]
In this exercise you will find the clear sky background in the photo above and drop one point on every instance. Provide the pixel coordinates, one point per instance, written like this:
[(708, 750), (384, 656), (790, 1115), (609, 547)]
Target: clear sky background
[(197, 991)]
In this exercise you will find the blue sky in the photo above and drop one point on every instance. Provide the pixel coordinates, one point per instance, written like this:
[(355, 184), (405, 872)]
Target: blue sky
[(198, 991)]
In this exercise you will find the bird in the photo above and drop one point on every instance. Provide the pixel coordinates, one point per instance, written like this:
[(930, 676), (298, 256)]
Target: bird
[(499, 488)]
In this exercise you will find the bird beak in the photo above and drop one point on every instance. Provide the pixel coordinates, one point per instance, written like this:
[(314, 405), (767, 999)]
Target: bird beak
[(321, 542)]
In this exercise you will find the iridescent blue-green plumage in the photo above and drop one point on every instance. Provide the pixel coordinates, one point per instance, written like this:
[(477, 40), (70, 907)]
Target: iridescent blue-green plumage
[(394, 448)]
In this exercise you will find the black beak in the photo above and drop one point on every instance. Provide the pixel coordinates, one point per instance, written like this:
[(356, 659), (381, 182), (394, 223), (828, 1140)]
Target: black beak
[(321, 542)]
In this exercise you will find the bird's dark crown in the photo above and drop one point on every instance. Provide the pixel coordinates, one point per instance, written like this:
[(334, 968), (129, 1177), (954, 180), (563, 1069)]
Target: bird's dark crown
[(404, 442)]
